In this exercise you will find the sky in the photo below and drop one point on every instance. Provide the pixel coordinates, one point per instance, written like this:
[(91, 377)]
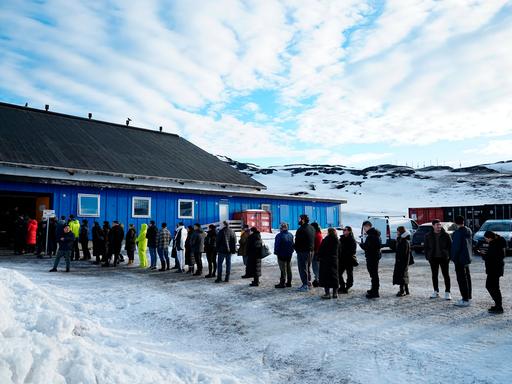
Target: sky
[(355, 83)]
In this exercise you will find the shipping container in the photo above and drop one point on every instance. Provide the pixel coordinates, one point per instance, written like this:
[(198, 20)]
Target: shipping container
[(426, 215), (255, 218)]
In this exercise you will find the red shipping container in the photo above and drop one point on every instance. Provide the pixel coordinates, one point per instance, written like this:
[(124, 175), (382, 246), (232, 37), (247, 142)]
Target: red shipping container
[(255, 218), (426, 215)]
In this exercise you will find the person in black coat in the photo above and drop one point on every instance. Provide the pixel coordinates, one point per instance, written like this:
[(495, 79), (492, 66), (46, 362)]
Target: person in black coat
[(52, 240), (83, 238), (304, 246), (151, 235), (328, 268), (98, 242), (189, 256), (346, 259), (494, 268), (210, 247), (371, 245), (20, 234), (253, 251), (129, 245), (115, 243), (402, 257)]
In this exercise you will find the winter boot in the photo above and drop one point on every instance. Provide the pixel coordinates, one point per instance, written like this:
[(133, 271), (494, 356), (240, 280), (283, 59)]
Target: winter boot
[(163, 266), (406, 286), (289, 284), (226, 280), (495, 310), (198, 273), (218, 280), (372, 295), (67, 269), (316, 284), (53, 270), (280, 285)]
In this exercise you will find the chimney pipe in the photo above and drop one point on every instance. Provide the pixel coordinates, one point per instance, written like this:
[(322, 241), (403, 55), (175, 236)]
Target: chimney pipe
[(46, 107), (128, 121), (160, 128), (90, 115)]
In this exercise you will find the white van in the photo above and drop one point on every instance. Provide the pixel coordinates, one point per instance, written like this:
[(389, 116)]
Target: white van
[(387, 226)]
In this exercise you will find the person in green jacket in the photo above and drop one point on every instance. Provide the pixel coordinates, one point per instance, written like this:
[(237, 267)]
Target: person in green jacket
[(142, 245), (74, 226)]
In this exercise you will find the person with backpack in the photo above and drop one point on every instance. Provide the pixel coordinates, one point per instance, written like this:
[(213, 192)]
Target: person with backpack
[(226, 246), (494, 268), (372, 253), (462, 248), (210, 247), (438, 244), (304, 246), (254, 256), (283, 249), (402, 259), (346, 259), (328, 268)]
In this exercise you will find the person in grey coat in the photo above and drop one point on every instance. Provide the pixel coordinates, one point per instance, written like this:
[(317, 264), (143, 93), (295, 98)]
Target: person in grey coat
[(197, 247), (462, 248), (226, 246)]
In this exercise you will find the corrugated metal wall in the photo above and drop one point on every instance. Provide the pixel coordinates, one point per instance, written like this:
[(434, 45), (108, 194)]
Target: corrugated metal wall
[(116, 204)]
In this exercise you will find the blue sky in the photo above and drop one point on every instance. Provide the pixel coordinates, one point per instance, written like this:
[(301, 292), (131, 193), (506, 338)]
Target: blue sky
[(276, 82)]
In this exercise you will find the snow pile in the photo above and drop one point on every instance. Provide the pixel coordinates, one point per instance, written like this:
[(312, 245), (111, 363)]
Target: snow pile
[(44, 341)]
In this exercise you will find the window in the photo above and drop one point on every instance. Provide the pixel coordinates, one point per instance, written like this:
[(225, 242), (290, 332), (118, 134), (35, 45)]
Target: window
[(88, 205), (185, 209), (141, 206), (266, 207)]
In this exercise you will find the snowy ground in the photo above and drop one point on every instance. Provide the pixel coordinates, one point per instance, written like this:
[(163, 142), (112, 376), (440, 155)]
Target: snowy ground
[(128, 325)]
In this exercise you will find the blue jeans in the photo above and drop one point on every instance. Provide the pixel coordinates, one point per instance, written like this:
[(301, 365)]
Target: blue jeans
[(152, 255), (304, 265), (220, 260), (67, 257), (163, 253)]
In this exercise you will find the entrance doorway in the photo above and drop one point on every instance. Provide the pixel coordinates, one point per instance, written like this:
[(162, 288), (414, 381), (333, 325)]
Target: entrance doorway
[(223, 211), (15, 204)]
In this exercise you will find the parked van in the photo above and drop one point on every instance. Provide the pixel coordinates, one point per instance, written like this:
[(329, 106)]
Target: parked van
[(387, 226)]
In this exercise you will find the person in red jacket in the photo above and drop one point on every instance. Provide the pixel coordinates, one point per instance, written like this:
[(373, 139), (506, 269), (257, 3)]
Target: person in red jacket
[(315, 263), (31, 235)]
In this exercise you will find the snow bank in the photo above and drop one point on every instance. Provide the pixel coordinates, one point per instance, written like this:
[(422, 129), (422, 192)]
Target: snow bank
[(43, 341)]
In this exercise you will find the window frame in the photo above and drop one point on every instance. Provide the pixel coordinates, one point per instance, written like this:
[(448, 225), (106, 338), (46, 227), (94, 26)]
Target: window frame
[(146, 198), (79, 203), (180, 216)]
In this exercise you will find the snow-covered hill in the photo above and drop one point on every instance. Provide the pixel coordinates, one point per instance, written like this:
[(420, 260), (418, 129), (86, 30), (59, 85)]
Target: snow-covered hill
[(388, 188)]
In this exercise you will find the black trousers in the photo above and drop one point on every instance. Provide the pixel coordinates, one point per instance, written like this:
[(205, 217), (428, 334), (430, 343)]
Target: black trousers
[(211, 256), (198, 256), (373, 270), (435, 263), (76, 251), (131, 253), (493, 287), (342, 268), (85, 249), (464, 281)]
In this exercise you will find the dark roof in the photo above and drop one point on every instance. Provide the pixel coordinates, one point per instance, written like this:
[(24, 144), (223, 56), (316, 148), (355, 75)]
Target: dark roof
[(52, 140)]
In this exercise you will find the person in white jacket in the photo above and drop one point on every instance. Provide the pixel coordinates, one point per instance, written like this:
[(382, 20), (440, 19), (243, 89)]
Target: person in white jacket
[(179, 242)]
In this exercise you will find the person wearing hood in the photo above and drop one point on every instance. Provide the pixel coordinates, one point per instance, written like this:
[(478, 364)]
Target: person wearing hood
[(438, 245), (74, 226), (283, 249), (151, 235), (84, 240), (346, 259), (254, 254), (163, 241), (328, 260), (210, 247), (31, 236), (371, 247), (494, 268), (402, 258), (129, 244), (197, 247), (142, 245), (179, 241), (98, 242), (462, 248)]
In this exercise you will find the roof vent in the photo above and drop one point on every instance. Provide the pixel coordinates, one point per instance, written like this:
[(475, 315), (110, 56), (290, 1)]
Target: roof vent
[(90, 115), (160, 128), (26, 104), (128, 121), (46, 107)]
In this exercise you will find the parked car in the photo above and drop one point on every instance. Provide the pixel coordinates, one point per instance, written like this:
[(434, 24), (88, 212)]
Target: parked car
[(418, 239), (387, 226), (500, 227)]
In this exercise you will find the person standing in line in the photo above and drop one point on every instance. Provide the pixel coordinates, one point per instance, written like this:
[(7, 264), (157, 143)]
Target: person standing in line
[(283, 249), (372, 253), (402, 258), (180, 239), (210, 247), (438, 245), (142, 245), (20, 235), (197, 247), (106, 238), (152, 244), (66, 243), (346, 259), (242, 245), (74, 225), (59, 227), (98, 242), (163, 241), (129, 244), (84, 240), (31, 238), (328, 264), (226, 246), (494, 268), (462, 248), (189, 256), (174, 253), (304, 246), (253, 250), (41, 239), (115, 240), (314, 263), (52, 240)]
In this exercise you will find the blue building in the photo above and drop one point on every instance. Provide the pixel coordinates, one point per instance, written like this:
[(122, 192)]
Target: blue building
[(103, 171)]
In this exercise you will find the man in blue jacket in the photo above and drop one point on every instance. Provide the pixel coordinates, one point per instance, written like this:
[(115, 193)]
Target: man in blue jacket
[(462, 248), (66, 245), (283, 249)]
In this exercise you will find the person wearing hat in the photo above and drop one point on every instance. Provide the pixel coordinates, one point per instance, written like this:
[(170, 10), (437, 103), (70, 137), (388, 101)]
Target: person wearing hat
[(66, 242), (371, 246)]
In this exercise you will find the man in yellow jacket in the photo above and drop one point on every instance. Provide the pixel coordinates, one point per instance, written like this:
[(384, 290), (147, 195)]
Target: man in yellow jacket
[(74, 226), (142, 245)]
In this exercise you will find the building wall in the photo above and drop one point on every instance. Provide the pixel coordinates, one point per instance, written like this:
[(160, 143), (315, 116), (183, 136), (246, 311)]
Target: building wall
[(116, 204)]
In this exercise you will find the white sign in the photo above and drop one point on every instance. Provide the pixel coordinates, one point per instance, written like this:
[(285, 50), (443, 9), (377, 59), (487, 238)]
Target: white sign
[(47, 213)]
